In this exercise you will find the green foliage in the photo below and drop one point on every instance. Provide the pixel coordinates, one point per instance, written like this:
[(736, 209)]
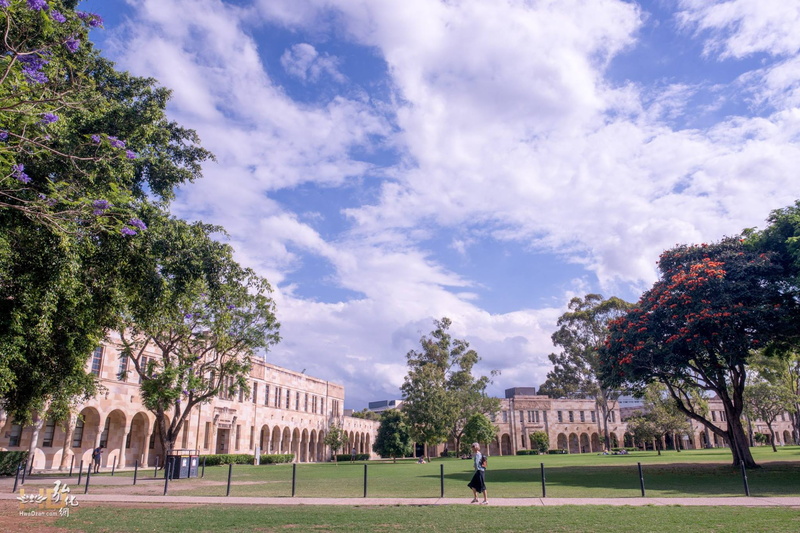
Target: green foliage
[(393, 438), (698, 327), (528, 452), (581, 333), (557, 452), (336, 438), (480, 429), (227, 459), (366, 414), (539, 441), (275, 458), (765, 401), (344, 457), (9, 461), (440, 393), (85, 149)]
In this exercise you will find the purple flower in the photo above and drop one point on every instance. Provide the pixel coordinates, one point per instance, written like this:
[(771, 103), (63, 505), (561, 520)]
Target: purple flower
[(130, 155), (18, 172), (3, 134), (32, 68), (4, 3), (231, 307), (135, 222), (187, 315), (92, 19), (100, 206), (48, 118), (96, 139), (72, 44), (57, 16), (38, 5), (115, 142), (128, 232)]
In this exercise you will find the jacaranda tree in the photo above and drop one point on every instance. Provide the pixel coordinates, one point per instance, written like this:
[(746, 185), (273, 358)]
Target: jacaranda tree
[(697, 328)]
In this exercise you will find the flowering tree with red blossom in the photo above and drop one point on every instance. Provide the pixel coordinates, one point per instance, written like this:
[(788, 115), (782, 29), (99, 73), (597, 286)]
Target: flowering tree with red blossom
[(697, 327)]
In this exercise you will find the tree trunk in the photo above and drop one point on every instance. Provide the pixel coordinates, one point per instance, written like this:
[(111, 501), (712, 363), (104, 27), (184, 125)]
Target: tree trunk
[(737, 440), (69, 431), (772, 436), (38, 422)]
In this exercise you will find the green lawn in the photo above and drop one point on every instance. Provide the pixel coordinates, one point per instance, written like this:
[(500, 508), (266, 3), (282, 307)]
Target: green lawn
[(684, 474), (231, 519)]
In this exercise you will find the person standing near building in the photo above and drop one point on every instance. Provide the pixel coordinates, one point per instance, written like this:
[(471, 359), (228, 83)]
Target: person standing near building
[(353, 455), (478, 482), (97, 455)]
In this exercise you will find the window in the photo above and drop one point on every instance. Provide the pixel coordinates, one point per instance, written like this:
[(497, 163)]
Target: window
[(288, 398), (77, 434), (252, 433), (241, 394), (97, 360), (583, 417), (722, 416), (530, 416), (144, 362), (207, 435), (613, 417), (266, 394), (305, 408), (238, 434), (714, 416), (255, 392), (16, 432), (104, 435), (277, 397), (122, 371), (594, 419), (49, 431), (297, 401), (522, 440), (571, 416), (505, 416), (522, 418), (560, 416)]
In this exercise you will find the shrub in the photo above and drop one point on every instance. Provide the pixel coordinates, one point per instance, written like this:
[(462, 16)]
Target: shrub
[(449, 453), (557, 452), (227, 459), (276, 458), (527, 452), (9, 462), (344, 457)]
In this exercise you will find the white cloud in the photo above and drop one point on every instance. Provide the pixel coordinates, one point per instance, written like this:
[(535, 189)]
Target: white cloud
[(304, 62)]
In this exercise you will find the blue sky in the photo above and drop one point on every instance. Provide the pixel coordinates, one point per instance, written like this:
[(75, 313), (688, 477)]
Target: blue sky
[(387, 163)]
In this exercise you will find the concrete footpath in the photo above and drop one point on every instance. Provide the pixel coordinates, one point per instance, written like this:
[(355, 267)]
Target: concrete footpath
[(792, 502)]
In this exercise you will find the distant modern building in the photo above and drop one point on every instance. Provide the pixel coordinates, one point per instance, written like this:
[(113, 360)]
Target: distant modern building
[(383, 405)]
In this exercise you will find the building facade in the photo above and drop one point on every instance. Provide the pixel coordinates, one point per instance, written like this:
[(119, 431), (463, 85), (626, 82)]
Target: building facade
[(285, 412)]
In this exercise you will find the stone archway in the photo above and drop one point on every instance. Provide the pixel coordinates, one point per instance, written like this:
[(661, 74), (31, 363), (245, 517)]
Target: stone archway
[(86, 434), (277, 447), (585, 447), (136, 439), (505, 444), (264, 440), (574, 445), (115, 438), (596, 447), (561, 442)]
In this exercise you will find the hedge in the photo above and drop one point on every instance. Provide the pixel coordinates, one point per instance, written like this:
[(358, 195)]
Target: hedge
[(449, 453), (527, 452), (275, 458), (10, 460), (342, 457), (557, 452)]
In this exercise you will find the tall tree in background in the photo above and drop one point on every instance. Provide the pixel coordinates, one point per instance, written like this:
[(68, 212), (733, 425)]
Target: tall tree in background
[(439, 392), (661, 417), (581, 333), (766, 402), (393, 438), (478, 429), (207, 316), (698, 327), (336, 438), (82, 148)]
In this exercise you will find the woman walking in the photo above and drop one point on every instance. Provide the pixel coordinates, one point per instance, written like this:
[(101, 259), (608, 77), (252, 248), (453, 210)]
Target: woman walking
[(478, 483)]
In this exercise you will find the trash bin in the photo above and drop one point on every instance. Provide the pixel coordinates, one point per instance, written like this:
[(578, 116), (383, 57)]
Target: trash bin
[(194, 462)]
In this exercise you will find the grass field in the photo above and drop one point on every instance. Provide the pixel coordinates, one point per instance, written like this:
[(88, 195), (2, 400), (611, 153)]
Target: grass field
[(685, 474), (572, 519)]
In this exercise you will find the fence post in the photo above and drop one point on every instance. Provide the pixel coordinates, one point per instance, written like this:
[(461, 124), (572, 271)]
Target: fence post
[(744, 478), (24, 470), (80, 472), (135, 470), (294, 478), (365, 481), (641, 479), (441, 480), (230, 473), (544, 483), (204, 467), (71, 465), (155, 468), (114, 466), (88, 475), (16, 478)]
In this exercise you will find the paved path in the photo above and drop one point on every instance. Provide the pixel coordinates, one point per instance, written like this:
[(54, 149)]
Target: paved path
[(497, 502)]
